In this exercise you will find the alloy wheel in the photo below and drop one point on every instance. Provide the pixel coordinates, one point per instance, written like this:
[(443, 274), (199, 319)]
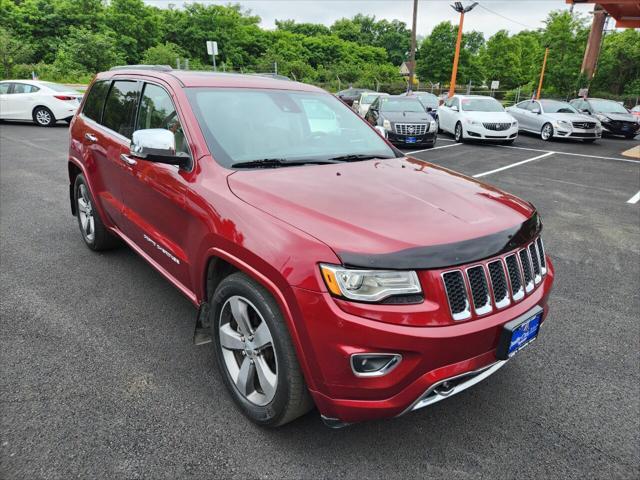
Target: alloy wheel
[(458, 133), (547, 132), (43, 117), (248, 350), (85, 211)]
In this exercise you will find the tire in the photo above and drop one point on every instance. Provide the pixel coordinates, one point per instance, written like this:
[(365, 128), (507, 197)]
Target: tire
[(279, 394), (43, 117), (588, 140), (508, 142), (546, 132), (97, 238), (458, 134), (630, 136)]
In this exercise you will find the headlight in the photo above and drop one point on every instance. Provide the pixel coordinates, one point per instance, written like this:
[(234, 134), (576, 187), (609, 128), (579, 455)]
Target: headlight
[(514, 124), (563, 123), (386, 124), (602, 118), (471, 122), (369, 285), (432, 125)]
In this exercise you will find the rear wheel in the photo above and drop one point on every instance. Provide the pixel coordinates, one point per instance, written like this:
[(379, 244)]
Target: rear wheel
[(255, 354), (43, 117), (546, 133), (458, 134)]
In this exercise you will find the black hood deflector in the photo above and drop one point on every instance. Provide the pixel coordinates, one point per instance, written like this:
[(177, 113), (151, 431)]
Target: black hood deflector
[(449, 254)]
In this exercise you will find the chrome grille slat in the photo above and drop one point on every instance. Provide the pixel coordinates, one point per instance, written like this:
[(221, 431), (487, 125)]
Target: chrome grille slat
[(497, 127), (479, 290), (525, 264), (499, 284), (457, 295), (584, 125), (543, 260), (535, 262), (411, 128)]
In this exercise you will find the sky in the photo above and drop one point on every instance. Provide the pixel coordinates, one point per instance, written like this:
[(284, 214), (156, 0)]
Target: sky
[(514, 15)]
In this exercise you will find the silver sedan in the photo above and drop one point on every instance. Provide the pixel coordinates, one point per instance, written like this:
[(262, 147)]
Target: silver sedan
[(555, 119)]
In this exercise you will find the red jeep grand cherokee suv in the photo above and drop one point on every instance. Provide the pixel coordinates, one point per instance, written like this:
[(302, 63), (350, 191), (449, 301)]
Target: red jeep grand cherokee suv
[(327, 267)]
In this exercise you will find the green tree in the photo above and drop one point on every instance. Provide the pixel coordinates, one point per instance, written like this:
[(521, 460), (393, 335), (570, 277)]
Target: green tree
[(501, 60), (12, 51), (619, 64), (136, 27), (308, 29), (163, 54), (87, 51)]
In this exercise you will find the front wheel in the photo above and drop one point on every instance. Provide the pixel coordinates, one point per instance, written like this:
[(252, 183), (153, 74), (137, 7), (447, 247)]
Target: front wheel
[(546, 133), (255, 354), (94, 233), (459, 134), (43, 117)]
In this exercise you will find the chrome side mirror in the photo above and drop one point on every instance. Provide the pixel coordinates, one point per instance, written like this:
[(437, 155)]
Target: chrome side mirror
[(454, 108), (156, 145), (536, 111)]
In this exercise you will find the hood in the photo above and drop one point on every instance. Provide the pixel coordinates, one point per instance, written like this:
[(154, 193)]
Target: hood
[(571, 117), (489, 117), (394, 213), (621, 117), (401, 117)]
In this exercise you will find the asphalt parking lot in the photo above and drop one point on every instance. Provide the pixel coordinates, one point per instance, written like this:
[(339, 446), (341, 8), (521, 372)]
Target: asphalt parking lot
[(99, 377)]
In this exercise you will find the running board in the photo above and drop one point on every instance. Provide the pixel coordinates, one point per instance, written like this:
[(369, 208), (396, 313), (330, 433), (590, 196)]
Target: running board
[(202, 332)]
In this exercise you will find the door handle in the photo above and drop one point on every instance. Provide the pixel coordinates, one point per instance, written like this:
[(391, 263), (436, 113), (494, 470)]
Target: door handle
[(91, 137), (127, 159)]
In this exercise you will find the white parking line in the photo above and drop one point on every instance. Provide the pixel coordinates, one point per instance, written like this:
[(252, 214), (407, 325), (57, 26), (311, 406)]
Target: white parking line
[(574, 154), (513, 165), (434, 148), (635, 198)]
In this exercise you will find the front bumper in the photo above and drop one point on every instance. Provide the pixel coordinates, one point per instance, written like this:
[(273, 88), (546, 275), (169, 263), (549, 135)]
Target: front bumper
[(428, 138), (479, 132), (577, 133), (621, 128), (430, 355)]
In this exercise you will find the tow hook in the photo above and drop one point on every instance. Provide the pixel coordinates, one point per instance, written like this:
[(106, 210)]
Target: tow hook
[(202, 332)]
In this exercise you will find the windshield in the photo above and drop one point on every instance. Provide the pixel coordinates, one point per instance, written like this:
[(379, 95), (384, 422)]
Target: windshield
[(57, 87), (553, 106), (401, 104), (368, 99), (243, 125), (607, 106), (481, 105), (428, 99)]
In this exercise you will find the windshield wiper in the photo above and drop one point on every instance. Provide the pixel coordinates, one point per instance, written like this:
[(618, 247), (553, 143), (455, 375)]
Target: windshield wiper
[(358, 157), (277, 162)]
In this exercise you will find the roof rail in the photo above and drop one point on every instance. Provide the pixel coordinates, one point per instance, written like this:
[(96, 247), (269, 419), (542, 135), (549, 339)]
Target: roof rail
[(160, 68)]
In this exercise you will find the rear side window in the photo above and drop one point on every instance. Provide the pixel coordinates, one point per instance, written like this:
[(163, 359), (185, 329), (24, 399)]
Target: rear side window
[(95, 100), (24, 88), (120, 107), (4, 88)]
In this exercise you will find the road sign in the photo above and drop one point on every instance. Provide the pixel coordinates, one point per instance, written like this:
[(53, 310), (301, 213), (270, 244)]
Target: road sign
[(212, 48), (583, 92), (495, 84), (404, 69)]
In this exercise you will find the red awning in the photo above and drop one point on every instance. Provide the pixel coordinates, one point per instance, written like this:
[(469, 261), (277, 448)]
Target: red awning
[(625, 12)]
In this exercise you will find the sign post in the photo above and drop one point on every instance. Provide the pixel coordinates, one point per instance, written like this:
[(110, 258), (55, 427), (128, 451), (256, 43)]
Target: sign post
[(212, 49)]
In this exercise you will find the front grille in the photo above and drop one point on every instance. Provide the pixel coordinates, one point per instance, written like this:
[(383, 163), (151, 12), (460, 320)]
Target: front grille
[(457, 295), (411, 128), (498, 127), (584, 125), (497, 282)]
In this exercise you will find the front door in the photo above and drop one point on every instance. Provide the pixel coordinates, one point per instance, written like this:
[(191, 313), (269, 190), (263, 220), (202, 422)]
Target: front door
[(154, 216)]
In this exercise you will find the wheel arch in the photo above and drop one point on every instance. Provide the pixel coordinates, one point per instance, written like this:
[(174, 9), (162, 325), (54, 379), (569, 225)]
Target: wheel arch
[(74, 171), (40, 105), (220, 264)]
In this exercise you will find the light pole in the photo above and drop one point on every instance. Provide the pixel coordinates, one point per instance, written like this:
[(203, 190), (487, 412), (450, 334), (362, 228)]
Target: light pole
[(462, 10), (412, 51), (544, 66)]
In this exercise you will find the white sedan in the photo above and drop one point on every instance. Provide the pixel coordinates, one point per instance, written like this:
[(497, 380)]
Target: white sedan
[(475, 117), (42, 102)]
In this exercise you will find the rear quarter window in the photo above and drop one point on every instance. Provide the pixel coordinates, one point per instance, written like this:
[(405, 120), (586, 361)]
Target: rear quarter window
[(120, 107), (95, 100)]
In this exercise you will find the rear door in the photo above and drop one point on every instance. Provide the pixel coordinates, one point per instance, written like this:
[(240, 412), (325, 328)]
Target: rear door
[(20, 101), (154, 216), (108, 116), (4, 95)]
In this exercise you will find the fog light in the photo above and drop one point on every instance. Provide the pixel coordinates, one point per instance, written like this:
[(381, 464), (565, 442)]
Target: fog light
[(374, 364)]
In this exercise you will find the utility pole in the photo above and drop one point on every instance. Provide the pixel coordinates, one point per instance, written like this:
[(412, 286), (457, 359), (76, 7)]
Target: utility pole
[(412, 51), (544, 66), (454, 72)]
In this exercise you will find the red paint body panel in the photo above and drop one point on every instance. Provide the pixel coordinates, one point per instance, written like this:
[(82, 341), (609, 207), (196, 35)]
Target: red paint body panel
[(277, 225)]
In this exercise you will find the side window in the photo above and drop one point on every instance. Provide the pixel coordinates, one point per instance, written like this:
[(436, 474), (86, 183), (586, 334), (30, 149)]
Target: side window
[(455, 102), (24, 88), (532, 106), (120, 107), (4, 88), (95, 100), (157, 111)]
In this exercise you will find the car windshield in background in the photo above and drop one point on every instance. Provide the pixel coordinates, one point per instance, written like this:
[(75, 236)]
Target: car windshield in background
[(368, 99), (401, 104), (246, 125), (428, 99), (481, 105), (554, 106), (607, 106)]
